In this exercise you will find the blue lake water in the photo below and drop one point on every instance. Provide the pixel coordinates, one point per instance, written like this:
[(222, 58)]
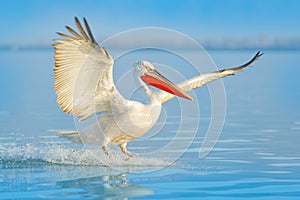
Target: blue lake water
[(257, 155)]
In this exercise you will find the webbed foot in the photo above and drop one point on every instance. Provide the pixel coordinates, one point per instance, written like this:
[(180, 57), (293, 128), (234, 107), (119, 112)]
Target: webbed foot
[(106, 151), (125, 151)]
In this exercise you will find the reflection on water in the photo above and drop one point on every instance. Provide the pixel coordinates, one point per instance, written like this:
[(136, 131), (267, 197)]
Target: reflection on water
[(66, 181), (105, 187)]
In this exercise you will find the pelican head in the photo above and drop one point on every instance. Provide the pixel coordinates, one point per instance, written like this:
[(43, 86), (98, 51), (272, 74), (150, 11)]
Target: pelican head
[(151, 76)]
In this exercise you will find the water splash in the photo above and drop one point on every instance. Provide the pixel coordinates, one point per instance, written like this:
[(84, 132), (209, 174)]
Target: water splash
[(53, 150)]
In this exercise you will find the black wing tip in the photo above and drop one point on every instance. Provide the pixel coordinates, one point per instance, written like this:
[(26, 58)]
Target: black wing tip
[(77, 21), (87, 27), (255, 58), (88, 37), (248, 64), (258, 54), (71, 29)]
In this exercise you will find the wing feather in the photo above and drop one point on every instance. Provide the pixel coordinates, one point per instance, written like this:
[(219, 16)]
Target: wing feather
[(81, 29), (203, 79), (74, 33), (66, 37), (87, 27), (82, 74)]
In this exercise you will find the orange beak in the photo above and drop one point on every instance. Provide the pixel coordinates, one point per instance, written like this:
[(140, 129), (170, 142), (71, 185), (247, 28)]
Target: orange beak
[(157, 80)]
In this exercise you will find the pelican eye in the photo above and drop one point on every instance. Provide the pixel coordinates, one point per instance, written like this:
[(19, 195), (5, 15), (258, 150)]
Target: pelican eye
[(148, 68)]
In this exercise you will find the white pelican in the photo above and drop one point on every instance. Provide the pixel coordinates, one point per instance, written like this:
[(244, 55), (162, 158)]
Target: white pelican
[(84, 85)]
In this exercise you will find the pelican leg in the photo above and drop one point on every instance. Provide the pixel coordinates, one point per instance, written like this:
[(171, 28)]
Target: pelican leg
[(105, 149), (124, 150)]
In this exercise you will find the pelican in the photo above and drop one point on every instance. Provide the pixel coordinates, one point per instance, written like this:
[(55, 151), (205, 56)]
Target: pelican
[(84, 84)]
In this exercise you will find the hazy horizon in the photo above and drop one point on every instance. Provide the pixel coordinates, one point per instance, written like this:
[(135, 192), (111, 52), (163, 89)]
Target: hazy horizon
[(261, 43)]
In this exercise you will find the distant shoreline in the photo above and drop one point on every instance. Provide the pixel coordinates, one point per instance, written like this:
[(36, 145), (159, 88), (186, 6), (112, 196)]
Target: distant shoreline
[(33, 48)]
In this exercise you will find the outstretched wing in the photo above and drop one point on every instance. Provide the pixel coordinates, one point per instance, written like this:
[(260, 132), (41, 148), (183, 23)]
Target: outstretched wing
[(203, 79), (83, 73)]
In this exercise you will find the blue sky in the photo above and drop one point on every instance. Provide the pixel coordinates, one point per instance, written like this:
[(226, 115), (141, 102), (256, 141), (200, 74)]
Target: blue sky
[(35, 22)]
